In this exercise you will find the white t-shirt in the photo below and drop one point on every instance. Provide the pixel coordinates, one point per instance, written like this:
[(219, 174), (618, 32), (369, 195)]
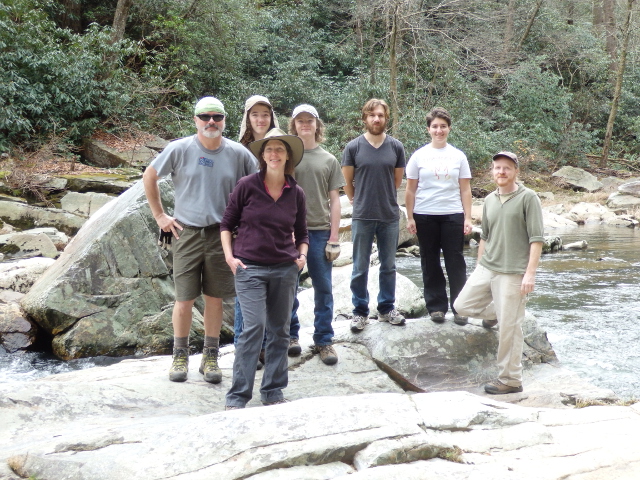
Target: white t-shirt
[(438, 171)]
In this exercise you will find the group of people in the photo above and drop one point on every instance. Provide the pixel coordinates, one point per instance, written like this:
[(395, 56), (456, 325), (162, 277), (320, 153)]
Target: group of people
[(249, 216)]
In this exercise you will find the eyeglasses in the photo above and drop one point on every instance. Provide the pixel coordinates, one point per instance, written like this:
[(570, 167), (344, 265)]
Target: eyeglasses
[(217, 117)]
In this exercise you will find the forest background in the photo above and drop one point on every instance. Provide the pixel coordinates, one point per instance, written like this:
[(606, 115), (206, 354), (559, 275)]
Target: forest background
[(553, 81)]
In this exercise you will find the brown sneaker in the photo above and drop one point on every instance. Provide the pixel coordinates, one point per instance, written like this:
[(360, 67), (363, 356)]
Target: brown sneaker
[(209, 365), (327, 354), (489, 323), (437, 317), (294, 347), (180, 366), (498, 388)]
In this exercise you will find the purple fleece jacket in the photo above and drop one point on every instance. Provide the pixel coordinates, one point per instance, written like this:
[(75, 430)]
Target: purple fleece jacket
[(265, 226)]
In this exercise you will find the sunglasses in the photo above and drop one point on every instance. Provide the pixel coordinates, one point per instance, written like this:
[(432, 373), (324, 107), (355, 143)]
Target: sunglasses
[(217, 117)]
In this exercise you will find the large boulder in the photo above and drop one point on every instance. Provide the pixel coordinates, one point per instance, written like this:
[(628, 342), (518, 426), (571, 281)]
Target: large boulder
[(100, 154), (630, 188), (26, 245), (84, 204), (579, 179), (589, 213), (110, 291), (20, 275), (622, 202), (24, 216), (16, 332)]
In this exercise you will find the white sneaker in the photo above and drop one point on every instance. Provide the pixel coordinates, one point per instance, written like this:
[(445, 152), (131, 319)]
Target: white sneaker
[(394, 317), (358, 323)]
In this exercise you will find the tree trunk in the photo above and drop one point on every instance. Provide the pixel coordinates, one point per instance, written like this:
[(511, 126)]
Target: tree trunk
[(120, 20), (611, 43), (626, 31), (508, 29), (393, 71), (529, 24), (71, 15)]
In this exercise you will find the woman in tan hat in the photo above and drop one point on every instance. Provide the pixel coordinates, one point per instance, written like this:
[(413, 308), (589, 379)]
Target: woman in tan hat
[(268, 208)]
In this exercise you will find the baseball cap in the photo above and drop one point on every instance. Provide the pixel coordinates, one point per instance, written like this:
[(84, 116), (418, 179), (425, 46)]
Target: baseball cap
[(209, 104), (305, 108), (509, 155)]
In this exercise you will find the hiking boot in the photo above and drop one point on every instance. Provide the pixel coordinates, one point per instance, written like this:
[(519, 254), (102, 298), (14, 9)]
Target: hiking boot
[(261, 361), (394, 317), (327, 354), (275, 402), (357, 323), (294, 348), (209, 365), (180, 366), (460, 320), (498, 388), (489, 323), (437, 317)]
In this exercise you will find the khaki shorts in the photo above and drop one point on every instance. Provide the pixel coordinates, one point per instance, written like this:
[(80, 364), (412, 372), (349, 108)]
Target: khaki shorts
[(199, 265)]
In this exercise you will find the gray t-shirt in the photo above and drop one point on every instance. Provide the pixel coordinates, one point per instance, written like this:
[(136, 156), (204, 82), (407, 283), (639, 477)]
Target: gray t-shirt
[(203, 178), (375, 196), (318, 173)]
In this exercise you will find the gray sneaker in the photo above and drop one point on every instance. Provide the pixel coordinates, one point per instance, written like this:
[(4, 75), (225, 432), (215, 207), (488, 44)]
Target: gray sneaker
[(209, 365), (180, 366), (294, 347), (460, 320), (357, 323), (327, 354), (394, 317), (275, 402)]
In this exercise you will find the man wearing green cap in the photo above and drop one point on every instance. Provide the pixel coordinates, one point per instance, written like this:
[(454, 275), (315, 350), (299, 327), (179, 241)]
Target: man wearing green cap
[(204, 168)]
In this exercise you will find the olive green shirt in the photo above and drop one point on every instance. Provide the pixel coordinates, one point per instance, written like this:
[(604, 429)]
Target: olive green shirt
[(509, 228), (318, 173)]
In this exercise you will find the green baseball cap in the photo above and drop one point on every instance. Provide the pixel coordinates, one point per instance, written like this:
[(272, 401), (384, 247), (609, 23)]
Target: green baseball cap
[(209, 104)]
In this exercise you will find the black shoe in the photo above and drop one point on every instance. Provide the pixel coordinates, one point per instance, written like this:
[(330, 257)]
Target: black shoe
[(294, 347), (489, 323), (260, 360), (437, 317), (460, 320)]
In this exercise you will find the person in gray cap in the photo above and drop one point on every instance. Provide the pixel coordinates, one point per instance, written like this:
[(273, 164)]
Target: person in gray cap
[(204, 168), (320, 177), (505, 275)]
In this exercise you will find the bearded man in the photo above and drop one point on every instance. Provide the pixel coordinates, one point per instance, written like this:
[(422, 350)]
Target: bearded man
[(373, 166)]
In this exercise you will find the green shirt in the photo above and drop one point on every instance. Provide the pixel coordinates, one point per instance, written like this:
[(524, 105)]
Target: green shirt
[(509, 228), (318, 173)]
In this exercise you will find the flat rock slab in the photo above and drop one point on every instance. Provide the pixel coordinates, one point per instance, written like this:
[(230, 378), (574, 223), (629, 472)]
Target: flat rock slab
[(128, 421), (578, 178)]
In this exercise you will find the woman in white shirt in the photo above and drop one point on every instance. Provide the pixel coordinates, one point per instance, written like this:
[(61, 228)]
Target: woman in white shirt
[(438, 200)]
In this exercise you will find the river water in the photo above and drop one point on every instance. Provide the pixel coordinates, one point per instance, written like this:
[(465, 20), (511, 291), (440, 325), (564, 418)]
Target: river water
[(588, 301)]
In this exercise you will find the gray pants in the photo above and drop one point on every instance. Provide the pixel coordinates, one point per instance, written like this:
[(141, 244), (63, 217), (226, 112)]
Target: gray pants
[(265, 294)]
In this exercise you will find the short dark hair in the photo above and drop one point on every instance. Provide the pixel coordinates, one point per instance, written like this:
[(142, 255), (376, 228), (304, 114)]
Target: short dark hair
[(372, 104), (289, 167), (438, 112), (319, 129)]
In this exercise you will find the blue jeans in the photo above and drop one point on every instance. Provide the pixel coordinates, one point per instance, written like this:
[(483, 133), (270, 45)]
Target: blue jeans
[(386, 234), (265, 294), (320, 272)]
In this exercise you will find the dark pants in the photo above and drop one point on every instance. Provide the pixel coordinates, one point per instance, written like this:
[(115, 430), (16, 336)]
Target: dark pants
[(266, 295), (446, 233)]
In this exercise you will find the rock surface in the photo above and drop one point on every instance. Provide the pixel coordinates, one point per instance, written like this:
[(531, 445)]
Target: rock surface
[(20, 275), (16, 332), (110, 291), (630, 188), (622, 203), (578, 178), (84, 204), (347, 421), (27, 216)]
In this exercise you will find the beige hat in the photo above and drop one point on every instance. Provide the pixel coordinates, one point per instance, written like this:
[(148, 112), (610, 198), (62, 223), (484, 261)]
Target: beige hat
[(297, 147), (509, 155), (305, 108), (248, 105)]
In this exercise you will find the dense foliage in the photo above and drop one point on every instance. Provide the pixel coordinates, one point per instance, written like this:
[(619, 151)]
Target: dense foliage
[(538, 82)]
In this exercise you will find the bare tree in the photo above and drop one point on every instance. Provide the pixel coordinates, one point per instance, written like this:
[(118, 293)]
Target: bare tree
[(611, 42), (120, 20), (626, 32), (532, 19)]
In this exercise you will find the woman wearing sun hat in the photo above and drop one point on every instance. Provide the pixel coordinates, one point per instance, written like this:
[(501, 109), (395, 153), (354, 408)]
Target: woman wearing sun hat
[(268, 208)]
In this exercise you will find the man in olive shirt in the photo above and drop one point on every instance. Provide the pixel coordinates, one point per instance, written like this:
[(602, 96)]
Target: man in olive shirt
[(508, 256)]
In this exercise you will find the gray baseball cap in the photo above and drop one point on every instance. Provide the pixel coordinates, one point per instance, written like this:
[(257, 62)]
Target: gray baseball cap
[(509, 155)]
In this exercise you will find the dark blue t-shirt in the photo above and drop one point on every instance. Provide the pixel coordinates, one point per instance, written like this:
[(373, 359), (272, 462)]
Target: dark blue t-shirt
[(375, 196)]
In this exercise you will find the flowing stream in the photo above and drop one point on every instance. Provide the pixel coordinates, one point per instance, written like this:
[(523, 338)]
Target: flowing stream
[(588, 301)]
